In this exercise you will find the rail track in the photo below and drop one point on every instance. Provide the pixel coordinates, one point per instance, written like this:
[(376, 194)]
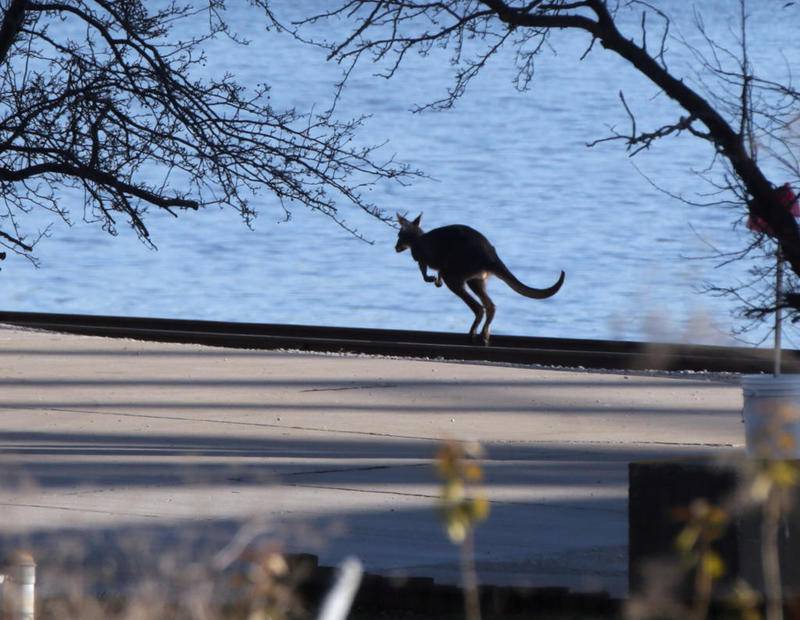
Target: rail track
[(568, 352)]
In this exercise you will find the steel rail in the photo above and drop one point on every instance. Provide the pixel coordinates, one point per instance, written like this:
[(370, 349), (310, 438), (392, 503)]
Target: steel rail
[(525, 350)]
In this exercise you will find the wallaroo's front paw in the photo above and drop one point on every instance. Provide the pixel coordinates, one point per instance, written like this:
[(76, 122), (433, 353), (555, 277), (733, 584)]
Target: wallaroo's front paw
[(438, 282)]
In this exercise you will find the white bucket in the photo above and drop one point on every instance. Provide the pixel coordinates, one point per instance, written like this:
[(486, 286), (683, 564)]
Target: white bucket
[(772, 416)]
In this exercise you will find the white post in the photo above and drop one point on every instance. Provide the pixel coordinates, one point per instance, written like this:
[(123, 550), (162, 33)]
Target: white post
[(19, 586), (778, 312)]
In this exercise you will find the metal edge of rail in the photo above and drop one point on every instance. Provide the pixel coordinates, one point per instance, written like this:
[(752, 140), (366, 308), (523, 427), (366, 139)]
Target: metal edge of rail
[(523, 350)]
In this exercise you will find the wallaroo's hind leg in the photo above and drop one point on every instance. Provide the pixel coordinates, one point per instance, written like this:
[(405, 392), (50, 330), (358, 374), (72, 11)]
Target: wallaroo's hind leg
[(478, 286), (457, 286)]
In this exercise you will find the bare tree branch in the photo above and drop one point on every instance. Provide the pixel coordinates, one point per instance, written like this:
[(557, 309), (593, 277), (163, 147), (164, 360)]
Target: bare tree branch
[(115, 110)]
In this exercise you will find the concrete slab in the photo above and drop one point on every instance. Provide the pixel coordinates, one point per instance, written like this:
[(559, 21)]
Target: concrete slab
[(105, 439)]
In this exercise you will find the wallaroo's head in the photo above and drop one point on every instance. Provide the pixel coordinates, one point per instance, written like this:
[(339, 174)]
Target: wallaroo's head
[(409, 231)]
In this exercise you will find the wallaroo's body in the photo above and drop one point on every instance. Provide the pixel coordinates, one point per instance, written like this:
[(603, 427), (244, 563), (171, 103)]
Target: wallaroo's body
[(462, 255)]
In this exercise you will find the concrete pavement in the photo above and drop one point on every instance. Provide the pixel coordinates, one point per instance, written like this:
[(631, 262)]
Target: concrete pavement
[(197, 448)]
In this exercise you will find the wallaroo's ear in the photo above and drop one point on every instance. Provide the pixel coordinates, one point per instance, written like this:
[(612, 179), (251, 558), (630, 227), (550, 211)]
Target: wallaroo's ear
[(401, 219), (417, 221)]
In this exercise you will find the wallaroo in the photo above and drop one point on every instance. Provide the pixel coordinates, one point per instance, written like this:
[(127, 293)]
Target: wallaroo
[(462, 256)]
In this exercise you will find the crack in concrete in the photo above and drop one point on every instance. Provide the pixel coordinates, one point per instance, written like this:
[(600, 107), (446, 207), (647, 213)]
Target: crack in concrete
[(499, 502), (82, 510), (376, 386)]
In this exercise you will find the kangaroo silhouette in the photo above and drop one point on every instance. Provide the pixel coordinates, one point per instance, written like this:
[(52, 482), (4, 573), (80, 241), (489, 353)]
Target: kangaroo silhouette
[(461, 255)]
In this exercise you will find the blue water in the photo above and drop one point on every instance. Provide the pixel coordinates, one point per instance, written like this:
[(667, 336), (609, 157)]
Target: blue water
[(514, 165)]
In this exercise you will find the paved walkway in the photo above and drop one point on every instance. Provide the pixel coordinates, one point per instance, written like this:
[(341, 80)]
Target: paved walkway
[(169, 445)]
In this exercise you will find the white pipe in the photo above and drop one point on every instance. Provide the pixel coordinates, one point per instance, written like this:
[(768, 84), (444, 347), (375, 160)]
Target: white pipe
[(340, 598)]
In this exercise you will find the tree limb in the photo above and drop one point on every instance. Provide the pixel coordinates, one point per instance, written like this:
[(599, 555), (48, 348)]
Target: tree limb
[(12, 24)]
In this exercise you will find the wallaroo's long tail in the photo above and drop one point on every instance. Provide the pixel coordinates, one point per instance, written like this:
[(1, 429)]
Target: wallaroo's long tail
[(534, 293)]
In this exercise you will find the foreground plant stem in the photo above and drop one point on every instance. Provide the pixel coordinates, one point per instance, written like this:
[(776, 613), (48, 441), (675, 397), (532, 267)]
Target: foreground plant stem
[(770, 556), (469, 578)]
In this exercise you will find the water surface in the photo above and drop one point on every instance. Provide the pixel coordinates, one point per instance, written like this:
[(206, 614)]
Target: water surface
[(514, 165)]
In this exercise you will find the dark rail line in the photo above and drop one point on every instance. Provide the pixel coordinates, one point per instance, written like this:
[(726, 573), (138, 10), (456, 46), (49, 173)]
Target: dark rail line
[(601, 354)]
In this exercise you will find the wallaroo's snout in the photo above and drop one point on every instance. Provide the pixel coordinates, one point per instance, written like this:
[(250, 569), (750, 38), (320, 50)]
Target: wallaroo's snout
[(400, 247)]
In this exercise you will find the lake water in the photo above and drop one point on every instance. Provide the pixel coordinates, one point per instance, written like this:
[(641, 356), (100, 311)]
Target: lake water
[(514, 165)]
